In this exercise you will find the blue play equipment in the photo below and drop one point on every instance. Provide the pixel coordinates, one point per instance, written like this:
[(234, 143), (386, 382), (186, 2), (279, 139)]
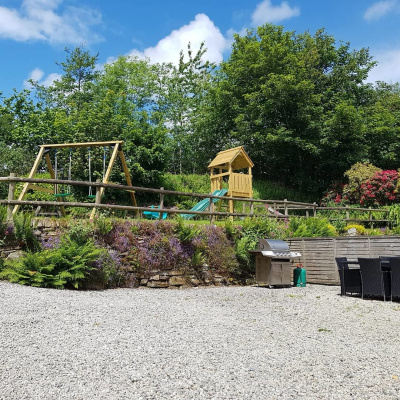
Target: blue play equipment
[(205, 203), (153, 214)]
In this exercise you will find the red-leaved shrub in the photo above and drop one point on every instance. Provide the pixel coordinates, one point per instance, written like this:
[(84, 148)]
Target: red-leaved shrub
[(380, 189)]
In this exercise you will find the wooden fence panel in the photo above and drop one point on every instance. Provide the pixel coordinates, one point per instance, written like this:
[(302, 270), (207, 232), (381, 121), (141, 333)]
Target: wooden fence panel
[(318, 254)]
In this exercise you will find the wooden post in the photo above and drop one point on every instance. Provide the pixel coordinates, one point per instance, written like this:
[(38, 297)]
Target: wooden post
[(251, 182), (211, 207), (11, 191), (98, 193), (307, 213), (127, 178), (161, 203), (370, 214), (31, 174), (251, 207), (315, 209), (286, 207), (347, 215), (243, 207), (106, 177)]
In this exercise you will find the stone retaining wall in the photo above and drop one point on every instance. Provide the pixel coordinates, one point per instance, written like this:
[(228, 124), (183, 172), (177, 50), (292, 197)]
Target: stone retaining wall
[(45, 228)]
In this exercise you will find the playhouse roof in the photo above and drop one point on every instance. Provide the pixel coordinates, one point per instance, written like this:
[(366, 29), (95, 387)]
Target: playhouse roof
[(237, 157)]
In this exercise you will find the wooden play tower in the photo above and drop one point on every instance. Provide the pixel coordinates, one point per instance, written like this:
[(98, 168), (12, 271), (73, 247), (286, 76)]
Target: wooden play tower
[(224, 165)]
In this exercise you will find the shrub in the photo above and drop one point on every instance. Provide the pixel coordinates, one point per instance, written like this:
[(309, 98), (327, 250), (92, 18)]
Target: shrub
[(334, 196), (80, 231), (259, 228), (311, 227), (357, 175), (394, 215), (68, 265), (360, 229), (380, 189), (23, 230)]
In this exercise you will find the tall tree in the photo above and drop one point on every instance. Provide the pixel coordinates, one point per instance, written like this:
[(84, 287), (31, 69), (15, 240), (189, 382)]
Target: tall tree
[(287, 96), (184, 90)]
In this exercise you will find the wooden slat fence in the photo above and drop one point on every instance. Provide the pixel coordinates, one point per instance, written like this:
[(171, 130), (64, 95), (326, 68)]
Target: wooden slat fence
[(279, 209), (318, 254)]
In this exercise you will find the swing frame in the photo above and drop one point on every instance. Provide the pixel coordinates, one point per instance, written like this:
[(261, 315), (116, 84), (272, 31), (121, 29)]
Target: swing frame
[(44, 151)]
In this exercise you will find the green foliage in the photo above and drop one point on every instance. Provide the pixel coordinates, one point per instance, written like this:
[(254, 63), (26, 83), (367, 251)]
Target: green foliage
[(13, 159), (299, 97), (255, 229), (375, 232), (3, 220), (184, 183), (67, 266), (360, 229), (102, 224), (268, 190), (198, 258), (23, 230), (394, 215), (311, 227), (358, 174), (185, 232), (80, 231)]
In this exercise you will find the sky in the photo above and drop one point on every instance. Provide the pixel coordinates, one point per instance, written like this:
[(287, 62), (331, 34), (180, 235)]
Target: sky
[(34, 33)]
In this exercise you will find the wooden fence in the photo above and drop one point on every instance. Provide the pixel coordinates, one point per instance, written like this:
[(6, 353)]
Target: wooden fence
[(318, 254), (279, 209)]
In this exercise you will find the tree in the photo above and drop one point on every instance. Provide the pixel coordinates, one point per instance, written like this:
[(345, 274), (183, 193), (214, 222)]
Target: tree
[(75, 86), (294, 101), (184, 89)]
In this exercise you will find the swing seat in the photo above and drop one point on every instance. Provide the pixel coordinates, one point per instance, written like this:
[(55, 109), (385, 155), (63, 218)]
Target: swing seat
[(91, 196), (62, 194)]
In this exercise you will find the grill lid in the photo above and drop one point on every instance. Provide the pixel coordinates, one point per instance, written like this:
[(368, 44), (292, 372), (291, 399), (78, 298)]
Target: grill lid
[(277, 246), (275, 249)]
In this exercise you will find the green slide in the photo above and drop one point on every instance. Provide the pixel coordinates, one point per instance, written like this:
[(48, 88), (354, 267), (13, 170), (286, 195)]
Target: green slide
[(205, 203)]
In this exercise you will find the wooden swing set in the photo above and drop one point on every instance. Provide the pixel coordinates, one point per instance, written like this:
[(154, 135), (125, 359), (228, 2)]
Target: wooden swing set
[(54, 171)]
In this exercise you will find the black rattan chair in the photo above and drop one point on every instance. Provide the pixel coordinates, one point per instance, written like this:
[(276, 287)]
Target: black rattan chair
[(394, 264), (371, 277), (350, 280)]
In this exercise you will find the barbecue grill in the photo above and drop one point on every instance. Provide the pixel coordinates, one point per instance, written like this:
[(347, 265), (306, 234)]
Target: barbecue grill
[(274, 262)]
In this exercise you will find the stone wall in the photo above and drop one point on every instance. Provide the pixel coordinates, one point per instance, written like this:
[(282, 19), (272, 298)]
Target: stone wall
[(45, 228)]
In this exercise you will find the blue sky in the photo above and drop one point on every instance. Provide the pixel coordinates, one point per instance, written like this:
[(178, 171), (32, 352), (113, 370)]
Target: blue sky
[(34, 33)]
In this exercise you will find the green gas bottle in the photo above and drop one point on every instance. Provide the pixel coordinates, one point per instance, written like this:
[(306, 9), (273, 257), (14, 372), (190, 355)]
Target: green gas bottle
[(299, 276)]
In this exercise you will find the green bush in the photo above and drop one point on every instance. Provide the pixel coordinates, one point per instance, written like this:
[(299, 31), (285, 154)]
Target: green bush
[(68, 265), (357, 175), (360, 229), (23, 230), (311, 227), (80, 230)]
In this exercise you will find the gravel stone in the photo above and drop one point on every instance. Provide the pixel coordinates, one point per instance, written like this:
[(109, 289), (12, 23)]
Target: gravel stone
[(222, 343)]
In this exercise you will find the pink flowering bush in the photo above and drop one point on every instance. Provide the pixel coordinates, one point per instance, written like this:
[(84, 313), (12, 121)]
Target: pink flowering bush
[(380, 189)]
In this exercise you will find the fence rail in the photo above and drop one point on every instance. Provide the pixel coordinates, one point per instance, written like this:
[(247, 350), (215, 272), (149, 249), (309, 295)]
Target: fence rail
[(279, 209)]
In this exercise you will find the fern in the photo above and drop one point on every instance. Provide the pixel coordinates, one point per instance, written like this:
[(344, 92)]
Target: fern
[(23, 224), (68, 265)]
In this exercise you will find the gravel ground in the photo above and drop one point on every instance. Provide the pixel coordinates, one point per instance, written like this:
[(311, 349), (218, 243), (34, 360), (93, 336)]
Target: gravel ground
[(206, 343)]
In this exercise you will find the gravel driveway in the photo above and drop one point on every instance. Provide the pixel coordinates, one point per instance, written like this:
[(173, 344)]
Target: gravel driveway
[(206, 343)]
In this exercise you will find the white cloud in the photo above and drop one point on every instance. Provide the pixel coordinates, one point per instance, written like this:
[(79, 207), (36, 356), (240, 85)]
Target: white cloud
[(39, 20), (266, 12), (201, 29), (37, 75), (380, 9), (387, 69)]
